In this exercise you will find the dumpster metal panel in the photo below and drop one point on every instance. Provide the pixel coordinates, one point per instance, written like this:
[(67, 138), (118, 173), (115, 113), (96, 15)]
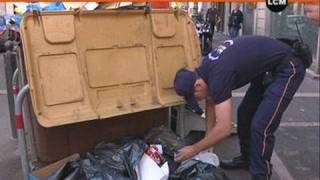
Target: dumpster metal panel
[(60, 79), (119, 57), (58, 142), (92, 65)]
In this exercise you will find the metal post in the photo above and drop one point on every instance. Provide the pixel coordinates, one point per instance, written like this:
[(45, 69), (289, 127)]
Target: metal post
[(20, 129), (317, 69), (15, 85), (169, 117), (10, 65), (180, 121)]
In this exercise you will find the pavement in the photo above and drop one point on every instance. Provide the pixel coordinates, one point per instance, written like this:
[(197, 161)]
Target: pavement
[(2, 75), (10, 167), (296, 154)]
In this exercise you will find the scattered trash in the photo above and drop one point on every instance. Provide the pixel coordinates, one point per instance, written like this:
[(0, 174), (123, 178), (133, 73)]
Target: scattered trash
[(107, 161), (33, 6), (153, 166), (203, 115), (155, 153), (194, 170), (90, 6), (135, 159), (208, 157), (164, 136), (204, 166), (54, 6), (169, 141)]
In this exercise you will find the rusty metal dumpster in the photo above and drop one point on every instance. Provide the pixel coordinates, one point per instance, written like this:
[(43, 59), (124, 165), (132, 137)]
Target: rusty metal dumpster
[(101, 75)]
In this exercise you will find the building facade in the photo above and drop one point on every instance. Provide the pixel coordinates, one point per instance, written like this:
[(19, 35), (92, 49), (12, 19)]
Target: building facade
[(292, 22), (258, 20)]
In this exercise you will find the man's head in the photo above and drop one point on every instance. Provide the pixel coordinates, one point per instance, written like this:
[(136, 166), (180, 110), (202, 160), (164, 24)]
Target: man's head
[(187, 83), (237, 6)]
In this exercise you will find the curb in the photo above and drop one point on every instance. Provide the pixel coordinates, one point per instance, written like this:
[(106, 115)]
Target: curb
[(312, 74)]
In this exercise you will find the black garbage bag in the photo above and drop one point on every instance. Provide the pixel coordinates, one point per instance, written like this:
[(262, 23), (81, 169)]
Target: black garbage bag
[(107, 162), (197, 170), (193, 137), (69, 171), (95, 170), (110, 161)]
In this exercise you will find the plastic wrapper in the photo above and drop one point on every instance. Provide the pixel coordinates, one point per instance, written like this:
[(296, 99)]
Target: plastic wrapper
[(197, 170), (208, 158), (169, 141), (153, 165), (164, 136)]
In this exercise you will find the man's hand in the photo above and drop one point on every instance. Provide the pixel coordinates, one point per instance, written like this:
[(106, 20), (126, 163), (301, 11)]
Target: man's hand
[(185, 153)]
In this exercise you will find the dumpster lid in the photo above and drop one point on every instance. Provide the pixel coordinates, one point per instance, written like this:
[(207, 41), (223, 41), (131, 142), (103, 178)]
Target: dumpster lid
[(88, 65)]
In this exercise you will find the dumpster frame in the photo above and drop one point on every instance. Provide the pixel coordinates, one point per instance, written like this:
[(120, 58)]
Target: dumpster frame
[(24, 114)]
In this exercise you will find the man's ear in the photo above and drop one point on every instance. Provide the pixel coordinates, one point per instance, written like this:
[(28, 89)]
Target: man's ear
[(197, 83), (203, 83)]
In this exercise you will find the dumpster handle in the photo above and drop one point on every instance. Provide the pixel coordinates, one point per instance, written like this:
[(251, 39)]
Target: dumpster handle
[(20, 129)]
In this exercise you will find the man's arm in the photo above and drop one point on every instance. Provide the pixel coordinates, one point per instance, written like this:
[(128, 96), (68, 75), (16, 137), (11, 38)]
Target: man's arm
[(210, 115), (221, 130), (241, 17)]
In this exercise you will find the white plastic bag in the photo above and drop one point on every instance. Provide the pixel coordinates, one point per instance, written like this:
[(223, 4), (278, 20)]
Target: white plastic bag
[(208, 157)]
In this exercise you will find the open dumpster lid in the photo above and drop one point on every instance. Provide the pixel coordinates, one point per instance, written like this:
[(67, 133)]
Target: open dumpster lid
[(88, 65)]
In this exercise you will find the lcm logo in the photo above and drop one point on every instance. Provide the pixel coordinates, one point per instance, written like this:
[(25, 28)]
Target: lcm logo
[(277, 5)]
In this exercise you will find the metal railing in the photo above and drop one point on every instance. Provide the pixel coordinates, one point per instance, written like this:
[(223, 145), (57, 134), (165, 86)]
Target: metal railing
[(20, 130)]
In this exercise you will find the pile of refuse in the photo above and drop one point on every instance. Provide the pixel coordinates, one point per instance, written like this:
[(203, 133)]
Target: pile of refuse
[(150, 158)]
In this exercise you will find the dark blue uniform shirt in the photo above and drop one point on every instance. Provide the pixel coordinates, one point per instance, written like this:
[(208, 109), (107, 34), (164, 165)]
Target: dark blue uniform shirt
[(237, 62)]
